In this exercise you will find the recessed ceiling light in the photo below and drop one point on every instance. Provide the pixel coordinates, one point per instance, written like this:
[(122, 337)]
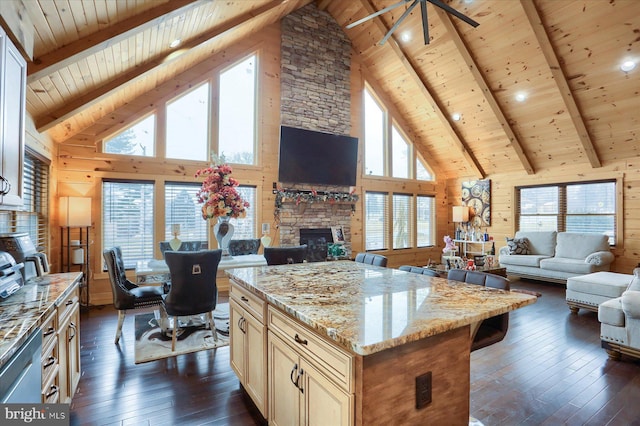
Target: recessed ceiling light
[(456, 116), (406, 36), (521, 96), (628, 65), (175, 43)]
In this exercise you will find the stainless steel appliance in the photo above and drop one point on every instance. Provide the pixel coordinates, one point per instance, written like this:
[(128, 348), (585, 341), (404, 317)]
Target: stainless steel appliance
[(11, 279), (20, 246), (21, 376)]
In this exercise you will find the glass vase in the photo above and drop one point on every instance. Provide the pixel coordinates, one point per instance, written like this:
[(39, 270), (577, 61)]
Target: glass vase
[(223, 231)]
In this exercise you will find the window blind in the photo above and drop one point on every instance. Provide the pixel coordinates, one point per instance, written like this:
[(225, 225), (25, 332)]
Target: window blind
[(182, 208), (570, 207), (33, 219), (402, 221), (425, 223), (377, 217), (128, 219)]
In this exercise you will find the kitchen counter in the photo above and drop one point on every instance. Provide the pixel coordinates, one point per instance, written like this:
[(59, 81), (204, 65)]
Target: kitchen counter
[(22, 312), (347, 301)]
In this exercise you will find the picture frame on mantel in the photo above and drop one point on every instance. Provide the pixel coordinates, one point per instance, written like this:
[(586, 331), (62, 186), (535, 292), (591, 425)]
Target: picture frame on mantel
[(338, 234)]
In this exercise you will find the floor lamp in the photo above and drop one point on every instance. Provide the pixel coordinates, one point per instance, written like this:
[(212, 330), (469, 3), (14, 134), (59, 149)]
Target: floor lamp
[(75, 212)]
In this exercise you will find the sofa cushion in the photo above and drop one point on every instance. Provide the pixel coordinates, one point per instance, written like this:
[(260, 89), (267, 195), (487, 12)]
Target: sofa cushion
[(610, 312), (522, 259), (574, 266), (608, 284), (518, 245), (540, 242), (579, 246)]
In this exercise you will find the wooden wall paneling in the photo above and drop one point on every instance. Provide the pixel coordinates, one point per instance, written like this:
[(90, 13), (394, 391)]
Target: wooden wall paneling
[(20, 29)]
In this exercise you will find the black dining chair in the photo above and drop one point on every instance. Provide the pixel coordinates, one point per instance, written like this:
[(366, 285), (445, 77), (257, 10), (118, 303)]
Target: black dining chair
[(126, 294), (491, 330), (285, 255), (193, 287), (371, 259)]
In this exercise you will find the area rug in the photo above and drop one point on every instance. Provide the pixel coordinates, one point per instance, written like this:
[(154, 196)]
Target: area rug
[(152, 344)]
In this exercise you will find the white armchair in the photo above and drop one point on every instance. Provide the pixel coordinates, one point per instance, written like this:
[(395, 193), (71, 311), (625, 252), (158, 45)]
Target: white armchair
[(620, 321)]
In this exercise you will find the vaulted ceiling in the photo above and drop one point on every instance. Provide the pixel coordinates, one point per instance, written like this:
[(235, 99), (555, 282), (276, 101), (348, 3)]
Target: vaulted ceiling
[(92, 57)]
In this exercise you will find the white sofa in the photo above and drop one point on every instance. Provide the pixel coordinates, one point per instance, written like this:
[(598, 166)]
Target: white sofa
[(620, 321), (556, 256)]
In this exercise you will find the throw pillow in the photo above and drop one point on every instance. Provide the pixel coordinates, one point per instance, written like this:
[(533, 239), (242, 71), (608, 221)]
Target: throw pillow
[(518, 245)]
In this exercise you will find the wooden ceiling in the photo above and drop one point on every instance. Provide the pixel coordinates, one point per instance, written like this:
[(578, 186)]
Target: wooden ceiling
[(92, 57)]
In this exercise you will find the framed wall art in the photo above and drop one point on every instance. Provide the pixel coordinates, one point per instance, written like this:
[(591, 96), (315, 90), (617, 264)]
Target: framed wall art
[(477, 195)]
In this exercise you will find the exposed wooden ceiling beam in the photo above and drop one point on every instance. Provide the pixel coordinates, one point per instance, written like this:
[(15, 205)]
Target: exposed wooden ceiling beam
[(437, 108), (561, 81), (84, 47), (486, 91), (73, 107)]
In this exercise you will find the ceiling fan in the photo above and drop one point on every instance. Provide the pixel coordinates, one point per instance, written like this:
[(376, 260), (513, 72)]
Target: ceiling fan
[(423, 7)]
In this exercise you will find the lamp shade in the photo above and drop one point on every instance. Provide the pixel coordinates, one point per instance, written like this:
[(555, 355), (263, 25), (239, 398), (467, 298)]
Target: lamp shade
[(75, 211), (460, 214)]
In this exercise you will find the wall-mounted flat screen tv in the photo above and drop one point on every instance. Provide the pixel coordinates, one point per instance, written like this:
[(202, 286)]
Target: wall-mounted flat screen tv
[(319, 158)]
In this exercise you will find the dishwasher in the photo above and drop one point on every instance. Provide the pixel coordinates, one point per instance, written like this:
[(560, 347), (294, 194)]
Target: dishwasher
[(21, 377)]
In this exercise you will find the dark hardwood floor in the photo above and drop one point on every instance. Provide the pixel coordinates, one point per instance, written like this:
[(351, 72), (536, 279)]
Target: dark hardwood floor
[(549, 370)]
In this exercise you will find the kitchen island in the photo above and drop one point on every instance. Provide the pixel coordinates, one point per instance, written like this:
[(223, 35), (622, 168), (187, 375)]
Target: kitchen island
[(350, 343)]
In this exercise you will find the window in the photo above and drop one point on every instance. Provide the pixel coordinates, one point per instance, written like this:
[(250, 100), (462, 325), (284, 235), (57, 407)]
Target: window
[(573, 207), (128, 219), (246, 227), (33, 219), (402, 221), (401, 154), (374, 130), (237, 112), (422, 170), (188, 125), (138, 139), (387, 150), (182, 208), (376, 214), (425, 223)]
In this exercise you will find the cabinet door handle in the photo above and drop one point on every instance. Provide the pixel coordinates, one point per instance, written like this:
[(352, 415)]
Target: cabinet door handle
[(53, 389), (299, 340), (69, 302), (50, 361), (49, 331), (242, 321), (299, 380), (72, 326), (293, 370), (244, 299), (5, 186)]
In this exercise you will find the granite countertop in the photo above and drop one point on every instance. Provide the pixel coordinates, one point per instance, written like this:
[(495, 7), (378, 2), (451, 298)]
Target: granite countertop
[(22, 312), (367, 309)]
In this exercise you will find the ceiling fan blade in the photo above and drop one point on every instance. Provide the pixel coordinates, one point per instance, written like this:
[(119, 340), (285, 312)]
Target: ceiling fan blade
[(454, 12), (404, 15), (373, 15), (425, 22)]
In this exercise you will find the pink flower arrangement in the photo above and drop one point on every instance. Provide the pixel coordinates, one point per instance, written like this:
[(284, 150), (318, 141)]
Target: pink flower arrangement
[(218, 194)]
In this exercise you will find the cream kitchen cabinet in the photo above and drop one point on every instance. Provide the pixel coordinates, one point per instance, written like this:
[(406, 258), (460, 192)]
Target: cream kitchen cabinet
[(69, 346), (310, 380), (248, 344), (13, 77)]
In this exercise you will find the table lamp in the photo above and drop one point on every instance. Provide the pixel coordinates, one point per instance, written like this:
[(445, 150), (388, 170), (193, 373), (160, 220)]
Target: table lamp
[(460, 215)]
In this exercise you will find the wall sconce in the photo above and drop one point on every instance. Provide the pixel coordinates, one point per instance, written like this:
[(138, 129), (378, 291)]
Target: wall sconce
[(75, 212)]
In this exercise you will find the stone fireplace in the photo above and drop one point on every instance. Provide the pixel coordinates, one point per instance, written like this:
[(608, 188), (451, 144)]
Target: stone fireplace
[(315, 95)]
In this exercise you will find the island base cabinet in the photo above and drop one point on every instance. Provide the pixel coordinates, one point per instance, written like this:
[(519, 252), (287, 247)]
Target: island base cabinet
[(300, 393), (247, 353)]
